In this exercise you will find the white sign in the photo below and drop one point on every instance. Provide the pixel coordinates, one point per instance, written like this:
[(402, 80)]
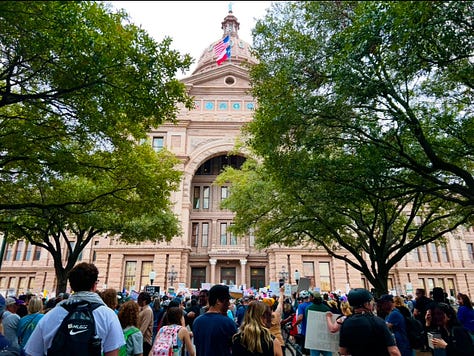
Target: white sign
[(318, 336)]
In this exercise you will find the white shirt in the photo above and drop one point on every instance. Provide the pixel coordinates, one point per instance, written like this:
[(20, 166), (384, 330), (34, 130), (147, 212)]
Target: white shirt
[(107, 325)]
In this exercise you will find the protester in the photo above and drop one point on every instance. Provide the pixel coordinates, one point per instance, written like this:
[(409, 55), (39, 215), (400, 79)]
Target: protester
[(175, 324), (213, 330), (319, 306), (10, 320), (145, 321), (301, 319), (275, 325), (420, 306), (128, 317), (335, 326), (110, 298), (28, 323), (83, 279), (465, 313), (454, 339), (363, 333), (396, 323), (254, 336)]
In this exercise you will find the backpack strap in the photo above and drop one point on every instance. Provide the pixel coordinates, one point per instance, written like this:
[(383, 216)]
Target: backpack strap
[(130, 331)]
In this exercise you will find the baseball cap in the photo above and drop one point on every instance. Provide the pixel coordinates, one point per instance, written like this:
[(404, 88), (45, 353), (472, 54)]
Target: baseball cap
[(316, 294), (269, 301), (304, 294), (219, 292), (13, 300), (358, 297), (386, 298)]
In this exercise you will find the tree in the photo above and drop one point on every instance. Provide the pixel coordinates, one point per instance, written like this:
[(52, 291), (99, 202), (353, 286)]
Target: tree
[(360, 128), (79, 87), (139, 209), (76, 78)]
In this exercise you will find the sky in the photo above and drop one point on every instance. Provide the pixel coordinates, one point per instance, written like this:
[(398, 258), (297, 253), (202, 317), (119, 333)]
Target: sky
[(193, 25)]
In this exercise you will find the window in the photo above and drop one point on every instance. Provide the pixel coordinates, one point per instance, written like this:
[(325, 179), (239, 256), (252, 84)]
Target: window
[(228, 276), (223, 234), (3, 281), (196, 197), (130, 270), (12, 283), (147, 266), (421, 283), (233, 238), (195, 235), (37, 254), (470, 251), (224, 192), (198, 277), (257, 277), (424, 253), (205, 234), (308, 271), (431, 284), (252, 237), (27, 252), (19, 250), (441, 283), (22, 284), (434, 253), (206, 193), (415, 255), (452, 290), (30, 283), (158, 142), (325, 276), (73, 246), (444, 253)]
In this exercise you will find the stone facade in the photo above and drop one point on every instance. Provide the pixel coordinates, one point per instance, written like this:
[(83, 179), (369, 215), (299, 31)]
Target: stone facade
[(204, 141)]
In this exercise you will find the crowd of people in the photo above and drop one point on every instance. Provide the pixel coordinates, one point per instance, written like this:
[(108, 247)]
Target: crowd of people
[(212, 322)]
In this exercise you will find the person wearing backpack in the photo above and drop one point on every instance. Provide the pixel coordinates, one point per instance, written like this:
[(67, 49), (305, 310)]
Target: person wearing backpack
[(128, 316), (173, 336), (80, 325), (396, 323)]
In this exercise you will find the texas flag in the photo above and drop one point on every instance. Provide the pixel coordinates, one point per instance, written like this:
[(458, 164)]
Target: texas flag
[(222, 50)]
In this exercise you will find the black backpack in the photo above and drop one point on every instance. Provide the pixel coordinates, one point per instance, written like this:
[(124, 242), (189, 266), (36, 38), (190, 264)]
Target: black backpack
[(415, 332), (76, 335)]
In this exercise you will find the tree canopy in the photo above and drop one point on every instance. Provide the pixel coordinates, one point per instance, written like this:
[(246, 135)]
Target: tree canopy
[(362, 129), (80, 88)]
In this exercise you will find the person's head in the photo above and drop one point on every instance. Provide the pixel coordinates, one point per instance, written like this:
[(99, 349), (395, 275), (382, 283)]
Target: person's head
[(269, 301), (346, 308), (304, 295), (84, 277), (12, 304), (438, 294), (174, 315), (399, 301), (385, 305), (35, 305), (110, 298), (203, 297), (420, 292), (257, 319), (128, 314), (219, 297), (360, 298), (143, 299), (464, 300), (317, 298), (442, 315)]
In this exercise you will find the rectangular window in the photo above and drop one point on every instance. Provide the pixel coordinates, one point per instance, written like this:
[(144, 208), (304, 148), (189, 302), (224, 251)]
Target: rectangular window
[(27, 252), (415, 255), (451, 289), (19, 250), (470, 251), (31, 282), (223, 234), (205, 234), (434, 252), (196, 197), (424, 253), (158, 142), (224, 192), (233, 238), (8, 253), (444, 253), (12, 283), (421, 283), (22, 284), (3, 281), (308, 271), (198, 277), (206, 193), (130, 273), (228, 276), (431, 284), (390, 283), (147, 266), (37, 253), (195, 235), (257, 278), (441, 283), (325, 276)]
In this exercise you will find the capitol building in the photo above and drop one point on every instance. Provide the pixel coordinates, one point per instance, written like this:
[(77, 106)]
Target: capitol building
[(207, 252)]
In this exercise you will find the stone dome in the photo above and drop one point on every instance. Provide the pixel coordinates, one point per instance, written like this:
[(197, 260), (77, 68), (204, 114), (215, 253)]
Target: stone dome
[(240, 50)]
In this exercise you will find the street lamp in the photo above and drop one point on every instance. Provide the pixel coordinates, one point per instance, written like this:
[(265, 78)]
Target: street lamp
[(172, 275), (152, 276), (283, 274)]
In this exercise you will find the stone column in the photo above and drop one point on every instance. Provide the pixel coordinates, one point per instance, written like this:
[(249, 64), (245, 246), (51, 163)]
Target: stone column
[(213, 263), (243, 263)]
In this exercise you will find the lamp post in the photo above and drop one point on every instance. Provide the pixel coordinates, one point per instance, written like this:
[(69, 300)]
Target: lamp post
[(172, 276), (283, 274), (152, 276)]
